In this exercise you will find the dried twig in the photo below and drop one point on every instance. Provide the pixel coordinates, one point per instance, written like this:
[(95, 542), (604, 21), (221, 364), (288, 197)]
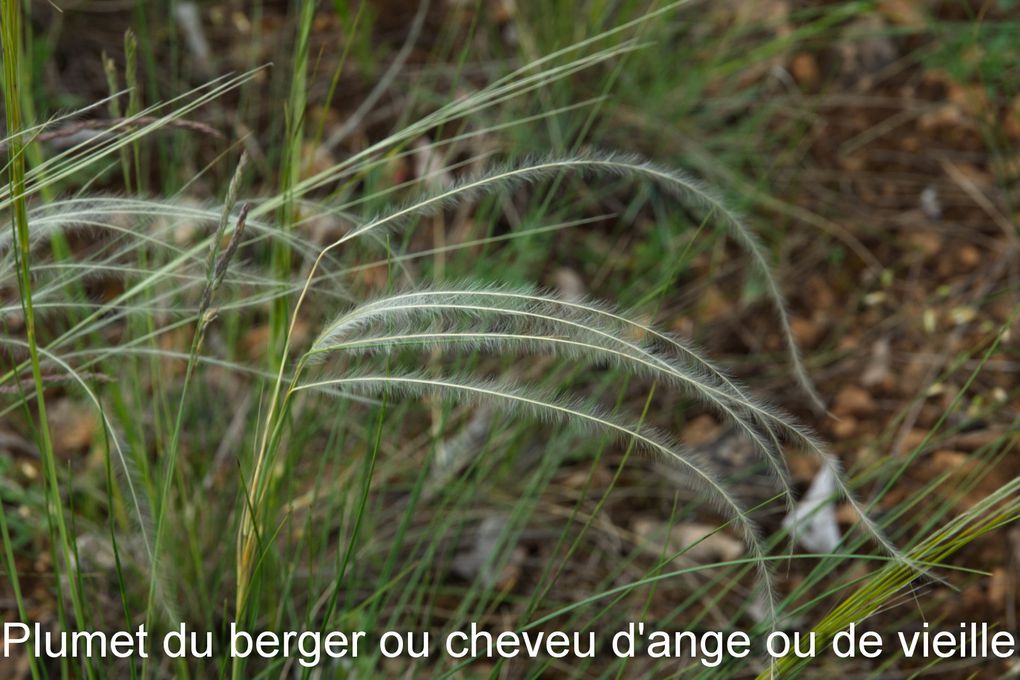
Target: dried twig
[(106, 125), (49, 380)]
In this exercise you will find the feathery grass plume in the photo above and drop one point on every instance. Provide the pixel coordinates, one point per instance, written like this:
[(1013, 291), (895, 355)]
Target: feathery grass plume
[(702, 474), (577, 329), (144, 222), (501, 320), (501, 179), (676, 183), (684, 188), (133, 226), (532, 322)]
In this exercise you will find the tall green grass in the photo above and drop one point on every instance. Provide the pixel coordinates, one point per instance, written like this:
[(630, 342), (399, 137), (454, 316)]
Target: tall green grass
[(63, 547), (325, 473)]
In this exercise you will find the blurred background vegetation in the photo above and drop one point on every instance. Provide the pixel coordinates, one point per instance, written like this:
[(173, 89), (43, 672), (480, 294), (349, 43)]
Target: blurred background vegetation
[(873, 146)]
